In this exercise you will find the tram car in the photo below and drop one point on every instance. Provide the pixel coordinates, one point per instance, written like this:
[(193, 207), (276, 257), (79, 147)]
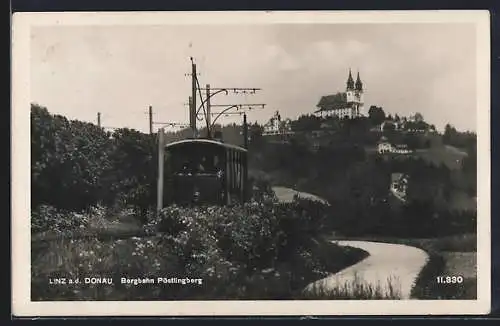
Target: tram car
[(205, 171)]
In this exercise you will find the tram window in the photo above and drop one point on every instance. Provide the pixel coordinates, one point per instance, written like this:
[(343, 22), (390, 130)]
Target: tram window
[(216, 162), (201, 166), (186, 167)]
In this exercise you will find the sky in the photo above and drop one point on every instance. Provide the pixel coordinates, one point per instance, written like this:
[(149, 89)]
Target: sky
[(119, 71)]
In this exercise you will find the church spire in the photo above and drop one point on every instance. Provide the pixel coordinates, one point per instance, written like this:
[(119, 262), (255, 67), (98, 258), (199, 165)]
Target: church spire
[(350, 81), (359, 84)]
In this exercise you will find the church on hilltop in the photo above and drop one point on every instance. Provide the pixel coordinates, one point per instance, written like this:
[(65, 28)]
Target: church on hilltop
[(346, 105)]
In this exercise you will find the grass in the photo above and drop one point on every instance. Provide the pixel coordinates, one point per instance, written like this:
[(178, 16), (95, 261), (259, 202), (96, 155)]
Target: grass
[(448, 155), (354, 290), (460, 263), (461, 201), (101, 223), (456, 243), (80, 258)]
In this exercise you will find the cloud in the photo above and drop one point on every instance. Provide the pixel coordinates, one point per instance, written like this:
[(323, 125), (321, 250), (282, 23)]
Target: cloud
[(356, 48), (281, 59)]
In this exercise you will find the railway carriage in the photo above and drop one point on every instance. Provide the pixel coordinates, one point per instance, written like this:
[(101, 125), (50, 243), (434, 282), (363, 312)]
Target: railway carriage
[(205, 171)]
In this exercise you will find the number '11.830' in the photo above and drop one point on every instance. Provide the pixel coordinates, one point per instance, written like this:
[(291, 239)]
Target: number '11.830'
[(449, 279)]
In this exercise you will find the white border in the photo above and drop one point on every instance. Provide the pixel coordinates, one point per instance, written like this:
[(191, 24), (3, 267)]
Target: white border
[(22, 306)]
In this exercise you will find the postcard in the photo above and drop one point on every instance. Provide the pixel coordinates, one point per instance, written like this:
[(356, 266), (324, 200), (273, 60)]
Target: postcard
[(251, 163)]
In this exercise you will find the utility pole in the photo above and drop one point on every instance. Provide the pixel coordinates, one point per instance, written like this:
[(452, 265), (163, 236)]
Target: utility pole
[(99, 119), (192, 116), (209, 131), (194, 88), (161, 163), (150, 120), (245, 145), (245, 131)]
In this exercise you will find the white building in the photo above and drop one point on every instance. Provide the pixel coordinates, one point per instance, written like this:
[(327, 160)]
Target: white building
[(347, 105), (396, 125), (276, 126), (384, 146)]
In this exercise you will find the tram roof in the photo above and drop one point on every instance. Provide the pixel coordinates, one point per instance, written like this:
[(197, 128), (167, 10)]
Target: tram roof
[(204, 141)]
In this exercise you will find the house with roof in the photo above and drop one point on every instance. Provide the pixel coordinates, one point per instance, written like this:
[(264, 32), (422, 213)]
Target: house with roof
[(344, 105), (399, 185), (272, 127), (276, 126), (394, 125), (384, 146)]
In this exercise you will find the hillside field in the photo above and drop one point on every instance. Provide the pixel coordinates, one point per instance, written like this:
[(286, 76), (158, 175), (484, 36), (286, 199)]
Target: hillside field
[(450, 156)]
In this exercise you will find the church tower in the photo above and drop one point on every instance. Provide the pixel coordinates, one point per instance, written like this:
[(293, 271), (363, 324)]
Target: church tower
[(350, 92), (358, 94)]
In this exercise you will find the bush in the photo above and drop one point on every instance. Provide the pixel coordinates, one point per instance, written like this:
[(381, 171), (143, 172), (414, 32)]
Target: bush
[(250, 251), (48, 218), (246, 234)]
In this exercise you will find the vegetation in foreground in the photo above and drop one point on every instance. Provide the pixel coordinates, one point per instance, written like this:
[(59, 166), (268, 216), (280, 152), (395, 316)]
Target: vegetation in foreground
[(356, 289), (253, 251)]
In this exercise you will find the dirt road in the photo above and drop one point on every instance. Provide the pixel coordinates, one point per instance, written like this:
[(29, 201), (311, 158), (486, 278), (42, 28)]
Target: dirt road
[(387, 265), (286, 195)]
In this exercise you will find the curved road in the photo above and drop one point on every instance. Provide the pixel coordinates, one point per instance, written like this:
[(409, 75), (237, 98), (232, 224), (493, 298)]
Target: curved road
[(400, 264), (286, 195), (387, 263)]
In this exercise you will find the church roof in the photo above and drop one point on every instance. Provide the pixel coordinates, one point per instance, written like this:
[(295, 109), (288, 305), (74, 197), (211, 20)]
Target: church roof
[(332, 102), (359, 84), (350, 81)]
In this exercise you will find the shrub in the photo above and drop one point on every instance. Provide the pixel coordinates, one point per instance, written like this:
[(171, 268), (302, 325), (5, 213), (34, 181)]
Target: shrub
[(48, 218), (251, 251)]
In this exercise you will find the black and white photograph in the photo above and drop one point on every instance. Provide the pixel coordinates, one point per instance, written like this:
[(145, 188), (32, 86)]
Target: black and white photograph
[(251, 163)]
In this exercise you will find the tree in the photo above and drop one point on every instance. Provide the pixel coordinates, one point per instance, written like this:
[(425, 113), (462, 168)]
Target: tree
[(255, 130), (389, 127), (419, 117), (376, 115), (306, 123), (68, 160)]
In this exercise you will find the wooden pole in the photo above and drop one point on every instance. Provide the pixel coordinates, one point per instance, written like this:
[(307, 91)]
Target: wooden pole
[(192, 115), (245, 131), (150, 120), (194, 88), (161, 165), (208, 117)]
